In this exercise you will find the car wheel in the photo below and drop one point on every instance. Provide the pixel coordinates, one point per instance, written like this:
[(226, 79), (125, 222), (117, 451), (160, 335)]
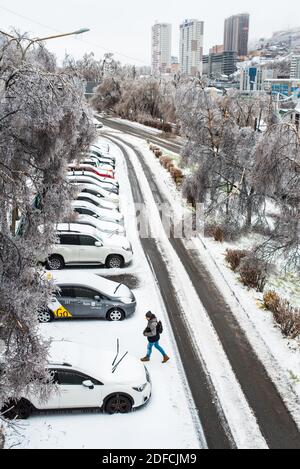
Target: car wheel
[(21, 409), (118, 404), (114, 262), (45, 316), (115, 315), (55, 263)]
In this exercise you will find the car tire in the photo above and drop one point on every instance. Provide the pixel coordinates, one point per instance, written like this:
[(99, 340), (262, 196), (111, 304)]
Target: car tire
[(45, 316), (21, 410), (115, 315), (55, 263), (118, 404), (114, 262)]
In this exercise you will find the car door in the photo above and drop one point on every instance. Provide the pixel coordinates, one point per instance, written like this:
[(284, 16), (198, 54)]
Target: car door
[(87, 304), (69, 247), (68, 302), (89, 253), (73, 394), (54, 399)]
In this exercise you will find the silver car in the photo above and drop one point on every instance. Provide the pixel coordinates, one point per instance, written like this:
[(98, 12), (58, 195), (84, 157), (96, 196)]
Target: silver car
[(88, 296)]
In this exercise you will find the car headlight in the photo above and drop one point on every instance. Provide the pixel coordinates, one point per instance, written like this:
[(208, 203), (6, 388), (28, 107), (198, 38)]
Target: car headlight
[(140, 388)]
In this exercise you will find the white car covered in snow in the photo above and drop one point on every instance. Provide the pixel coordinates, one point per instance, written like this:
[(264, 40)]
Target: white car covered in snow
[(105, 227), (83, 245), (88, 378), (87, 208)]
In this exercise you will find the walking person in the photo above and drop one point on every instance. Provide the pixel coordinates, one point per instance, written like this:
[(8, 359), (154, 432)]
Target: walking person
[(152, 332)]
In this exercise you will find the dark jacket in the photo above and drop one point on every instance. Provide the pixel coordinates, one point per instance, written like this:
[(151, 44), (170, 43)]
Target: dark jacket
[(151, 330)]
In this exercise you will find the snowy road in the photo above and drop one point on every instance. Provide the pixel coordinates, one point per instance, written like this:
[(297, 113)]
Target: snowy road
[(260, 400)]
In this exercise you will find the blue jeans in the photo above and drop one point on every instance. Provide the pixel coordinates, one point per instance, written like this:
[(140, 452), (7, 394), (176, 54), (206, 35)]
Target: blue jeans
[(157, 346)]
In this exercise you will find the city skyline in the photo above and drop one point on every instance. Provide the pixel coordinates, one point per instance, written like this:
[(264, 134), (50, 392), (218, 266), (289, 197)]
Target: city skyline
[(124, 29)]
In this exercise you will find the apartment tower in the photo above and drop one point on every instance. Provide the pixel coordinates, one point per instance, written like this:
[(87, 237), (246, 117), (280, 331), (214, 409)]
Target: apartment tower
[(161, 48), (236, 34), (191, 46)]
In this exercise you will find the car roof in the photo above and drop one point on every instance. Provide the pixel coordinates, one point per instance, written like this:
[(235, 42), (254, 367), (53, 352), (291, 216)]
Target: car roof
[(85, 279), (77, 228)]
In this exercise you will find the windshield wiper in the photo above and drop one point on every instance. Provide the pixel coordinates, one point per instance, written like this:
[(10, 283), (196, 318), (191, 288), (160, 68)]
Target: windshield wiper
[(118, 348), (117, 288), (116, 366)]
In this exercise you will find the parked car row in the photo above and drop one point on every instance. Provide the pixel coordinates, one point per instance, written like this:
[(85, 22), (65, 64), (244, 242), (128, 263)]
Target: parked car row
[(97, 234), (85, 377)]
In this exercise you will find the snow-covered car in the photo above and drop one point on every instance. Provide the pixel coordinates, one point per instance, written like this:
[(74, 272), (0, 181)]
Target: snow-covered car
[(102, 150), (106, 228), (87, 296), (97, 201), (97, 163), (87, 208), (103, 173), (97, 190), (97, 123), (83, 245), (109, 185), (102, 159), (87, 378)]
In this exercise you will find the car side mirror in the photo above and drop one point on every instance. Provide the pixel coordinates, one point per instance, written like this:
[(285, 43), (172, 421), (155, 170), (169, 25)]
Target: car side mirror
[(98, 244), (97, 298), (88, 384)]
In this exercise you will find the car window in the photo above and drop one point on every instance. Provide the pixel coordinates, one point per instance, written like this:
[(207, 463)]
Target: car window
[(86, 211), (74, 378), (66, 292), (81, 292), (53, 375), (87, 240), (69, 239)]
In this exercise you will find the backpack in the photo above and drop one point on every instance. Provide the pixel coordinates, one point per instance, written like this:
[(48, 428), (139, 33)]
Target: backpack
[(159, 328)]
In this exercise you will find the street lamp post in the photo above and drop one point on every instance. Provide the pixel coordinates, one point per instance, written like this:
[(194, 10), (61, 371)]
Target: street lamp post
[(40, 39), (23, 52)]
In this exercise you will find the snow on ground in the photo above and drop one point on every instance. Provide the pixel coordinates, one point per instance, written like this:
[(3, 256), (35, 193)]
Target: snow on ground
[(279, 355), (168, 421), (240, 418)]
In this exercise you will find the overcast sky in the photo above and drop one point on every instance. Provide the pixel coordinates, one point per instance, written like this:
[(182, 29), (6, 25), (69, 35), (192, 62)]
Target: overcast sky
[(124, 26)]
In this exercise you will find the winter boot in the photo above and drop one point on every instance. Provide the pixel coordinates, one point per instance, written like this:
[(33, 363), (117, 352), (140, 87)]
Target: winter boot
[(145, 359), (166, 359)]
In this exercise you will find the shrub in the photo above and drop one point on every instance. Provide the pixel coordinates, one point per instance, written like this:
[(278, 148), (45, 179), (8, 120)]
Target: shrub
[(286, 316), (166, 128), (218, 234), (271, 301), (158, 153), (176, 174), (288, 319), (169, 165), (226, 230), (165, 161), (254, 272), (234, 257)]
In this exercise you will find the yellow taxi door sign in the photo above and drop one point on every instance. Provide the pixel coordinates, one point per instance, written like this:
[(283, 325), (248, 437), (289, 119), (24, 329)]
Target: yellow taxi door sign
[(62, 312)]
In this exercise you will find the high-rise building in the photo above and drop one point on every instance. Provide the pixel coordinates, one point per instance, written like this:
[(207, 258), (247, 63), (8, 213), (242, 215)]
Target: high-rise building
[(218, 49), (191, 46), (236, 34), (161, 48), (295, 66)]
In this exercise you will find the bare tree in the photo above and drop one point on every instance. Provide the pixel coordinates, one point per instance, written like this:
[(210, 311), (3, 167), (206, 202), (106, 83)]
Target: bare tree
[(44, 123)]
